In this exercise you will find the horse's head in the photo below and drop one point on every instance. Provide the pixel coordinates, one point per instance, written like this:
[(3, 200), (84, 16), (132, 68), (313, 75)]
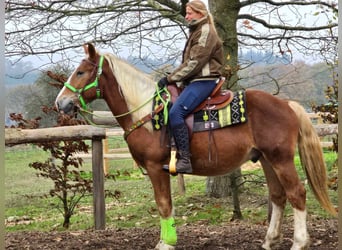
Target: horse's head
[(127, 91), (82, 86)]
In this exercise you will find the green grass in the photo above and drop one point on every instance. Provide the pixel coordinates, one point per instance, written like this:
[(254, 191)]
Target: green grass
[(21, 180), (135, 206)]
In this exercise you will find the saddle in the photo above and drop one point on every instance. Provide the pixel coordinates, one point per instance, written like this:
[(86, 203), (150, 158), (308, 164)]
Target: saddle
[(218, 98)]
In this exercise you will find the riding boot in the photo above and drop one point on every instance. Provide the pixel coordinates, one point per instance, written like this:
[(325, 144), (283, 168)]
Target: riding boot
[(183, 164), (181, 136)]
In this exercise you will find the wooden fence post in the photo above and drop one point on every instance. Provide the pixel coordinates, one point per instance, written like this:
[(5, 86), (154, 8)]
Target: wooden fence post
[(105, 159), (181, 184), (98, 184)]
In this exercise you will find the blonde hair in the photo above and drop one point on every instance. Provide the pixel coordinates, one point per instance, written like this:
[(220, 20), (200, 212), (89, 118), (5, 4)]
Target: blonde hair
[(199, 6)]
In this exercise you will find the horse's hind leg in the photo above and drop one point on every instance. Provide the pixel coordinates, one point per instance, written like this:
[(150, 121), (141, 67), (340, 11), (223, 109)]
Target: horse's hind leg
[(278, 198), (286, 181)]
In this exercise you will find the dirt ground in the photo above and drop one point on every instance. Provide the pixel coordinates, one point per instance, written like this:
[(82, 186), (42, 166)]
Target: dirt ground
[(233, 236)]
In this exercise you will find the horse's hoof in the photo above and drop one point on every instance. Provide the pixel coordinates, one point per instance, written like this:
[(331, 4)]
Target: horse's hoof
[(163, 246), (271, 243), (297, 246)]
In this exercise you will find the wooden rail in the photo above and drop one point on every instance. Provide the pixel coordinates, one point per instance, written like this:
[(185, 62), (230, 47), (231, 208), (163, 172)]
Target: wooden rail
[(15, 136)]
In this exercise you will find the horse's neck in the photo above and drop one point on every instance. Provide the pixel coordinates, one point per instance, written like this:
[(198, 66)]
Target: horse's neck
[(132, 89), (116, 102), (118, 109)]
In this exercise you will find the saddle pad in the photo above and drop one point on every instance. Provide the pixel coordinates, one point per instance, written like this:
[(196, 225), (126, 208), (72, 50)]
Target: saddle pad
[(233, 113)]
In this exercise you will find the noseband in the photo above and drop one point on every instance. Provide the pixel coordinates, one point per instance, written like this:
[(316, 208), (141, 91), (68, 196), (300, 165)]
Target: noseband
[(94, 84)]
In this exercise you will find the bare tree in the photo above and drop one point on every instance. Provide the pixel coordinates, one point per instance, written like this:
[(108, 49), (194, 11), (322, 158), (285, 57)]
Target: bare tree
[(57, 28), (155, 28)]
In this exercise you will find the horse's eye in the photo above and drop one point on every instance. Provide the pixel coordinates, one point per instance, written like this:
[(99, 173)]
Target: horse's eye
[(80, 73)]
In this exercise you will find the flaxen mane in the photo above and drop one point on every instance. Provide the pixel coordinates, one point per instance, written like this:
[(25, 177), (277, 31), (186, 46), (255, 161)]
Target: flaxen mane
[(136, 86)]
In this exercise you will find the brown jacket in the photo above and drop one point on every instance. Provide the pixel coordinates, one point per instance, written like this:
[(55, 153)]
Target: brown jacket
[(202, 56)]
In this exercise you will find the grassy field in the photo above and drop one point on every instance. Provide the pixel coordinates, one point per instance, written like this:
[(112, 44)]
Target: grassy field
[(135, 205)]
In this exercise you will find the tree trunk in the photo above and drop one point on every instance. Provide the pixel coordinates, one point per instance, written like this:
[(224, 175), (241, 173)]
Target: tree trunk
[(222, 186), (226, 28), (235, 180), (66, 222), (218, 186)]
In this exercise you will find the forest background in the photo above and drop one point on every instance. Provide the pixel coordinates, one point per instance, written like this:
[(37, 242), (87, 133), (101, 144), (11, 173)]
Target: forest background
[(27, 89)]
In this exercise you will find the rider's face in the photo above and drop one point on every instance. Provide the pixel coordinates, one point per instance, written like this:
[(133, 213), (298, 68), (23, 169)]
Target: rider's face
[(192, 15)]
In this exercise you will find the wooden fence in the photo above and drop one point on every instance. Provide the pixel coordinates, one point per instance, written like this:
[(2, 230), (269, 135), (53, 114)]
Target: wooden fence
[(14, 136)]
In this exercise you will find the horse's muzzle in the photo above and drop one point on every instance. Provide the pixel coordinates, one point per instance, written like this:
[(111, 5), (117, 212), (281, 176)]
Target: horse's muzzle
[(65, 105)]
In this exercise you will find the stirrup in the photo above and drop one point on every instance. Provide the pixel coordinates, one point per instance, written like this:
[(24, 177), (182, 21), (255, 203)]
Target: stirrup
[(171, 168)]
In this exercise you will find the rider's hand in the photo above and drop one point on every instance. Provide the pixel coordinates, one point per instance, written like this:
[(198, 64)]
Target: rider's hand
[(163, 82)]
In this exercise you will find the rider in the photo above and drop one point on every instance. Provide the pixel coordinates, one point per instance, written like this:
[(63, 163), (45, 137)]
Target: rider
[(199, 71)]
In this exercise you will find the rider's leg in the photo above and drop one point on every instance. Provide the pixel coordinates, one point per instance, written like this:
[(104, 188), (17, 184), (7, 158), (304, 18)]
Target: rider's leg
[(189, 99), (181, 135)]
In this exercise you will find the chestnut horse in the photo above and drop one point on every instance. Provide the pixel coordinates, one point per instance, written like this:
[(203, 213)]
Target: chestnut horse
[(273, 130)]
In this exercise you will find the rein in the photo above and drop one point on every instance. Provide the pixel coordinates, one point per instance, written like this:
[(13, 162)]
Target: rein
[(142, 121), (138, 123)]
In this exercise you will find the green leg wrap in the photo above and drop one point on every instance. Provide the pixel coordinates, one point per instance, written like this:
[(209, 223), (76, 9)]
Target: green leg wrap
[(168, 231)]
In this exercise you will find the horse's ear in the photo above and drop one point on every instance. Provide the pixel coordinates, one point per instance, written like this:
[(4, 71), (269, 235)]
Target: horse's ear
[(89, 50), (85, 47)]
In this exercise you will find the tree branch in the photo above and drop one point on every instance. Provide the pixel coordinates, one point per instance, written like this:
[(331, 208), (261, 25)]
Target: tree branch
[(328, 4), (284, 27)]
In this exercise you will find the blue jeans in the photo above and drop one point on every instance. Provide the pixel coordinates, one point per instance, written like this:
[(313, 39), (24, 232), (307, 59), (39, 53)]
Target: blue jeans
[(192, 95)]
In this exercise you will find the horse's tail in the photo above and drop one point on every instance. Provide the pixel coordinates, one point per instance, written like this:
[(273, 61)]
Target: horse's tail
[(311, 157)]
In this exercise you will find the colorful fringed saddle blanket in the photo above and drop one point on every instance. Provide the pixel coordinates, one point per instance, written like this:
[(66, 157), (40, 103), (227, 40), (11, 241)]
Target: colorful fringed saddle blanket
[(231, 114), (223, 109)]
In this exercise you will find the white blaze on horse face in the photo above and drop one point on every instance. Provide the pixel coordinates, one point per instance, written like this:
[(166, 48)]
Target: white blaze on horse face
[(61, 93), (59, 96)]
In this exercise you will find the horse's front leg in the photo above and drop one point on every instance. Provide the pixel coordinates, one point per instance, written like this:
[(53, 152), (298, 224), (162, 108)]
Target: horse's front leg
[(162, 194)]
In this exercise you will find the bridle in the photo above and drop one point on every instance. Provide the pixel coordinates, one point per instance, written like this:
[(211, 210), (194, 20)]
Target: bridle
[(94, 84)]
